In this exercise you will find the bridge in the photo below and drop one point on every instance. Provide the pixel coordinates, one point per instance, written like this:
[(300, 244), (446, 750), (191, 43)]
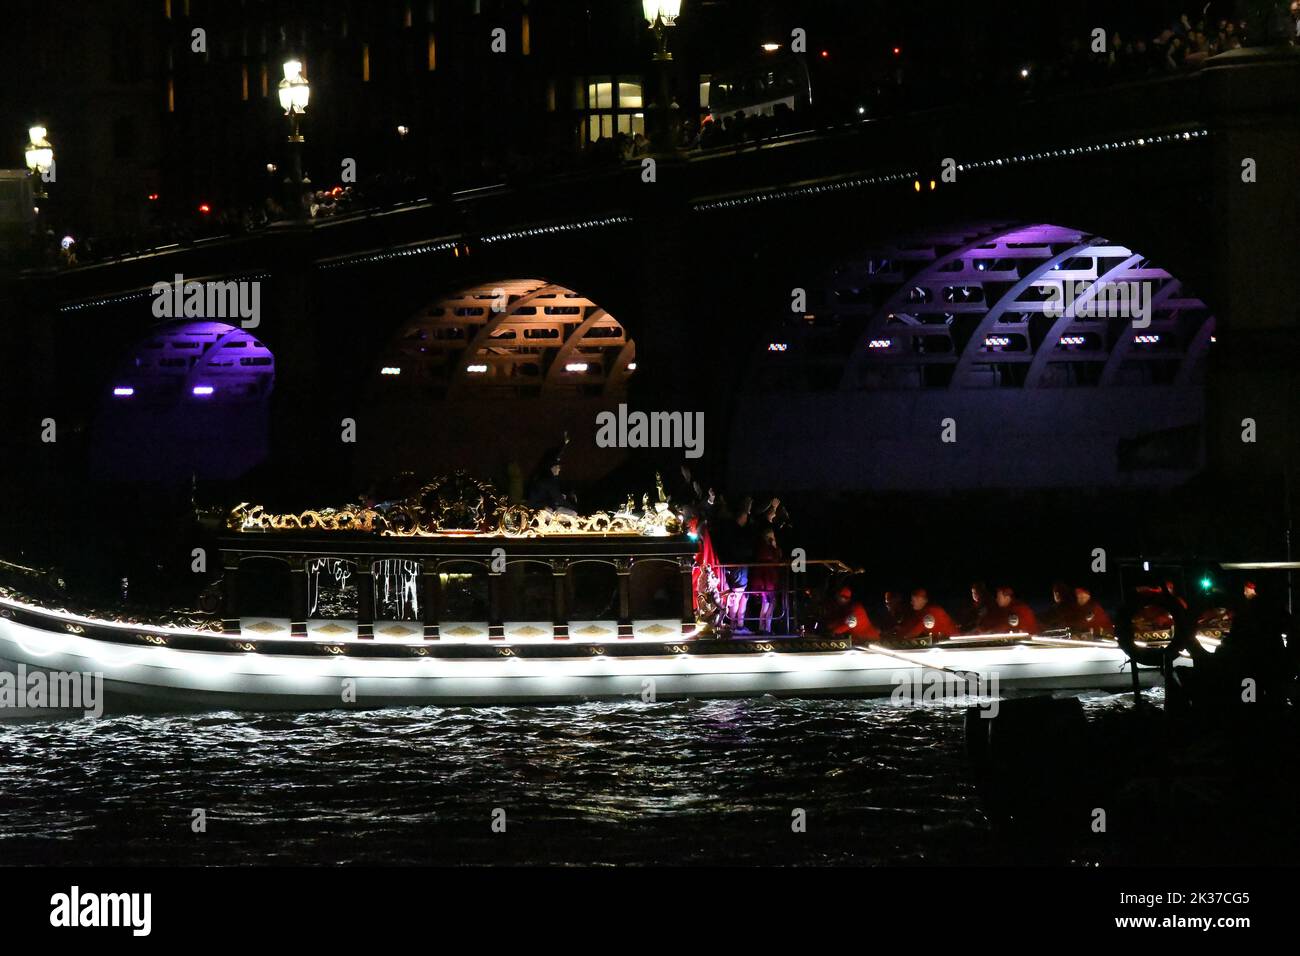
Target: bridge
[(704, 277)]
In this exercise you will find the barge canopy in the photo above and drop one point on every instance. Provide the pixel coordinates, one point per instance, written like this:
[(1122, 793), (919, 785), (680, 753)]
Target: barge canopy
[(454, 561)]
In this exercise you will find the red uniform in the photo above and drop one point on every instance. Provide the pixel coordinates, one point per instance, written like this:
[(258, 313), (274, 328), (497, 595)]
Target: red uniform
[(1017, 617), (855, 623), (931, 621), (1091, 617)]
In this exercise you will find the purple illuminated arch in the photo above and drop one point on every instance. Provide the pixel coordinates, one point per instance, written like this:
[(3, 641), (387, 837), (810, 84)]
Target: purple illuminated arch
[(993, 326), (189, 399), (209, 360), (968, 307)]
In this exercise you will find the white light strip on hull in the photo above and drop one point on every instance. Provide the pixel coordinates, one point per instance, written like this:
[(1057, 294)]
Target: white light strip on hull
[(203, 678)]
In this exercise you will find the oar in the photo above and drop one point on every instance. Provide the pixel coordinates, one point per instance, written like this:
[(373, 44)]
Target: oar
[(1068, 641), (898, 655)]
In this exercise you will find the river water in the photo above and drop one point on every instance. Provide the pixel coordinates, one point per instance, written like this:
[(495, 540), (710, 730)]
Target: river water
[(719, 782)]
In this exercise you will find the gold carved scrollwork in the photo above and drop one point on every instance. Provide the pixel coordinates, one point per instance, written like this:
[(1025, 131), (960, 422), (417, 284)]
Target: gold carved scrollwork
[(458, 504)]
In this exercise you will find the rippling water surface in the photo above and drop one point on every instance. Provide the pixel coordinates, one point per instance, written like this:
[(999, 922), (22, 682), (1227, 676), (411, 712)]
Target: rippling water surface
[(601, 783)]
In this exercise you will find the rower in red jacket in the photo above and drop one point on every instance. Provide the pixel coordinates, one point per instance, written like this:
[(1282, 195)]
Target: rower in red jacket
[(1061, 612), (850, 617), (925, 620), (1008, 615), (1089, 617)]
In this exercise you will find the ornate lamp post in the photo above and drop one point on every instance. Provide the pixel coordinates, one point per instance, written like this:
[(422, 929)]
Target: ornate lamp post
[(662, 15), (295, 91), (40, 158)]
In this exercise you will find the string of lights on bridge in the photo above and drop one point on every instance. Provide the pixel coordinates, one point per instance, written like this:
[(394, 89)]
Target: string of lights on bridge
[(798, 191), (456, 246), (1067, 152), (139, 294), (1185, 136)]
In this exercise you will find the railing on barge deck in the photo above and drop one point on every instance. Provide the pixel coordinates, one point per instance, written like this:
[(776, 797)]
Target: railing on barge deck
[(785, 596)]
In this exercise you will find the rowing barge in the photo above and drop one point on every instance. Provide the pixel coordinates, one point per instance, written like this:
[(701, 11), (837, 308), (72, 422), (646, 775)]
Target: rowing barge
[(444, 600)]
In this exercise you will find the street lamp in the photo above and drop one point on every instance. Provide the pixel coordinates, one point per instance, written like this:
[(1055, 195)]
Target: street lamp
[(662, 14), (40, 157), (295, 92)]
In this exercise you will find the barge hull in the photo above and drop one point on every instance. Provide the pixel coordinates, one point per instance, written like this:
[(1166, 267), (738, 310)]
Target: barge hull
[(165, 678)]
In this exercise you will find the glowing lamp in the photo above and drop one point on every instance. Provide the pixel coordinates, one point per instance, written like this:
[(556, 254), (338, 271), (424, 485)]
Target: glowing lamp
[(204, 208), (294, 89), (203, 390), (1206, 584), (390, 370), (123, 391), (39, 153), (576, 367), (665, 10)]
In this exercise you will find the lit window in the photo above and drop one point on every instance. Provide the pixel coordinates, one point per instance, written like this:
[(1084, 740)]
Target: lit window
[(600, 95), (629, 95)]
